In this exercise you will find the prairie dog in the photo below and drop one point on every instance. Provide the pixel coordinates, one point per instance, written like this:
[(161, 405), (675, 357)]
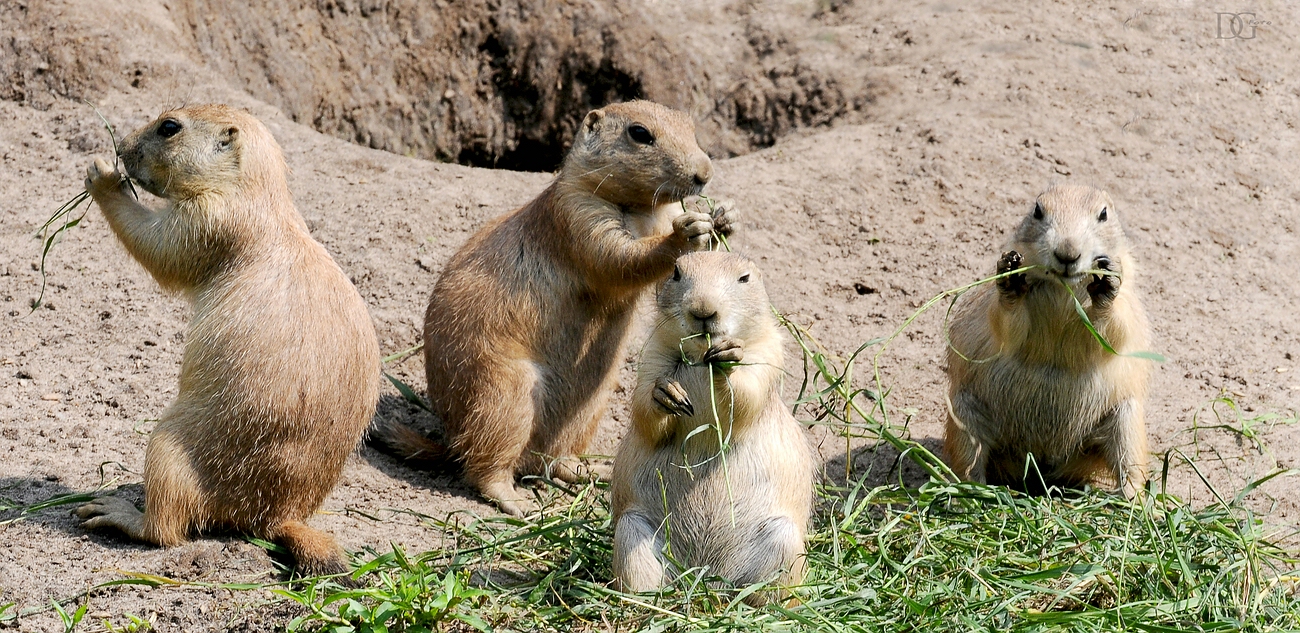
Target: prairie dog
[(280, 374), (742, 511), (1041, 384), (526, 327)]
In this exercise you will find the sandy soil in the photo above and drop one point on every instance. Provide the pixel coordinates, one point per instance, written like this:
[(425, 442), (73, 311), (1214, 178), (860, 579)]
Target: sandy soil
[(855, 225)]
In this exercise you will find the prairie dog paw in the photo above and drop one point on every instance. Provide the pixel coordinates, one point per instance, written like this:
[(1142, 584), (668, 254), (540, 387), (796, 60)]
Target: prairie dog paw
[(101, 178), (671, 397), (725, 217), (693, 229), (1104, 288), (576, 471), (1013, 285), (112, 512), (519, 507), (726, 350)]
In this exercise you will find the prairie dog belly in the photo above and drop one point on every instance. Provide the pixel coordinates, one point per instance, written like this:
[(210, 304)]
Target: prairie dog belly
[(1043, 410), (723, 502)]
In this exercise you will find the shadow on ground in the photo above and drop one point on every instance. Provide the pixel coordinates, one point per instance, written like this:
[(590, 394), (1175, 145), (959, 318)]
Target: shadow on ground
[(878, 465), (444, 478)]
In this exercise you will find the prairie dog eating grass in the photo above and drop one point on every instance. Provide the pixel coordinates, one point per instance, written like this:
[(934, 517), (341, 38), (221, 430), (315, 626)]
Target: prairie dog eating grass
[(525, 330), (715, 472), (280, 374), (1028, 378)]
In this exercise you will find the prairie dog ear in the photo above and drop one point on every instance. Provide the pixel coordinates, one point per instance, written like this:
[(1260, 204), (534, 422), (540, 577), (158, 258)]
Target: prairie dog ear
[(228, 138), (592, 122)]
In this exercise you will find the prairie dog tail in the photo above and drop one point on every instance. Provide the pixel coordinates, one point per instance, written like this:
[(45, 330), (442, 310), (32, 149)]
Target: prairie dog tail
[(407, 444)]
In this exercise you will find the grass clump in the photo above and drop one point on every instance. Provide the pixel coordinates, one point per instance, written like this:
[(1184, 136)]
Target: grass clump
[(944, 556)]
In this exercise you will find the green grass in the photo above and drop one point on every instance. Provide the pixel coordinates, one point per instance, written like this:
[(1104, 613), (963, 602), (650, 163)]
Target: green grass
[(945, 556)]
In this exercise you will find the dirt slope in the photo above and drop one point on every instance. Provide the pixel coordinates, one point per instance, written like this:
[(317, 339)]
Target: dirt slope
[(976, 110), (489, 82)]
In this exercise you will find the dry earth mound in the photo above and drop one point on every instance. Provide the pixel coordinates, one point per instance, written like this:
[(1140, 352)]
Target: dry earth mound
[(495, 83)]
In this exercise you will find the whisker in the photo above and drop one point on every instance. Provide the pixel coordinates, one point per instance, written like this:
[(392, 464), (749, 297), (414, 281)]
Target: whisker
[(653, 329), (654, 200), (592, 171), (602, 181)]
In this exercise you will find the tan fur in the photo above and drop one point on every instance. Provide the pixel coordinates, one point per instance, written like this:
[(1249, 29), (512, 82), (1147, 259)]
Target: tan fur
[(527, 324), (1045, 386), (280, 374), (743, 513)]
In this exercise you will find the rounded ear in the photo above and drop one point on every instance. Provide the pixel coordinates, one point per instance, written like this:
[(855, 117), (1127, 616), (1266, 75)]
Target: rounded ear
[(592, 122), (228, 138)]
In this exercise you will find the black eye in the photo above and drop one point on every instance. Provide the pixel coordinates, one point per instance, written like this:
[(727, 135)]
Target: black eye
[(640, 134), (169, 128), (744, 279), (1102, 216), (1038, 210), (677, 274)]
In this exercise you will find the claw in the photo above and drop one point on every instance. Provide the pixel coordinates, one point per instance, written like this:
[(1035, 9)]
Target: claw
[(670, 395), (724, 217)]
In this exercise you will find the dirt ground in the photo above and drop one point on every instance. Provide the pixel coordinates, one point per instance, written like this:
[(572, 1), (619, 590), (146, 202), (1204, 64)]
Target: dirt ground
[(974, 109)]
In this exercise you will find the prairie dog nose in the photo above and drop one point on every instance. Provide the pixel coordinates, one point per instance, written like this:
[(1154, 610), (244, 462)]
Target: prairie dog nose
[(703, 313), (1067, 257), (703, 170)]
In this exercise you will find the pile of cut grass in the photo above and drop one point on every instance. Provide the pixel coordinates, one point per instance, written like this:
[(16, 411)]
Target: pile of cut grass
[(946, 556)]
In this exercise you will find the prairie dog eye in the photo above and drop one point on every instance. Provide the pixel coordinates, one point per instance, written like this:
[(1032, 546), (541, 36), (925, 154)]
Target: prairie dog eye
[(677, 273), (640, 134), (744, 279), (1038, 210), (1101, 217), (169, 128)]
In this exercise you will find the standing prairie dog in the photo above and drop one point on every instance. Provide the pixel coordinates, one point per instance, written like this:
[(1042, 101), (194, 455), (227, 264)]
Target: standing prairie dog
[(526, 327), (1037, 382), (280, 374), (679, 496)]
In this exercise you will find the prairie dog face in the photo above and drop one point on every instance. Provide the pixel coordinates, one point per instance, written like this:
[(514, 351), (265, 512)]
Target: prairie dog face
[(1068, 229), (201, 149), (638, 154), (714, 293)]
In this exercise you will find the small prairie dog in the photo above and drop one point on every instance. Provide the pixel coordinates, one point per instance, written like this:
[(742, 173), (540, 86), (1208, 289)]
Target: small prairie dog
[(1037, 382), (679, 496), (526, 327), (280, 374)]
